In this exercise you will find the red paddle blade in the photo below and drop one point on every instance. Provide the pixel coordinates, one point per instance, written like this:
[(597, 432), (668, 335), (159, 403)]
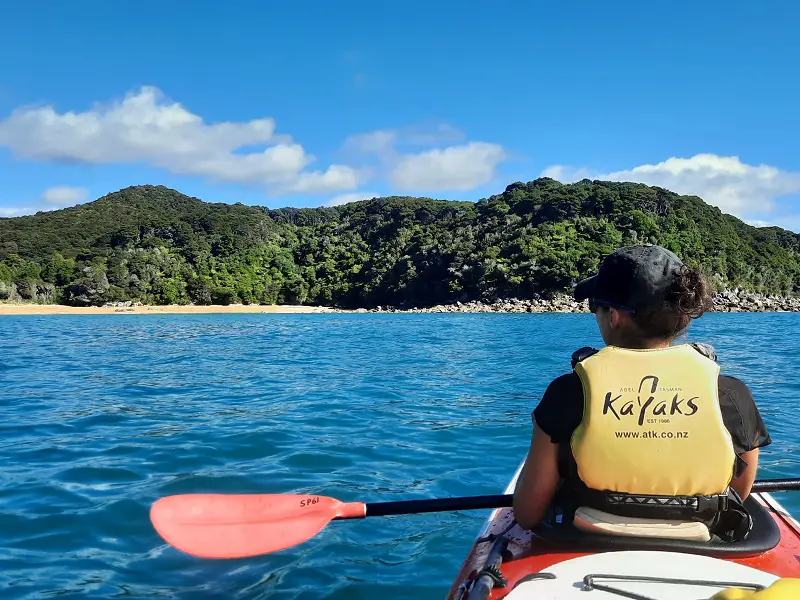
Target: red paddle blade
[(240, 525)]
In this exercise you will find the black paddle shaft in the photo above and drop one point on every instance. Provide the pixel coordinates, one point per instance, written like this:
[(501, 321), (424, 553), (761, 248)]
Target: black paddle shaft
[(407, 507), (776, 485)]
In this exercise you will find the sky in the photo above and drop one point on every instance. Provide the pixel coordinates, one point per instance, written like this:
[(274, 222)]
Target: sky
[(319, 103)]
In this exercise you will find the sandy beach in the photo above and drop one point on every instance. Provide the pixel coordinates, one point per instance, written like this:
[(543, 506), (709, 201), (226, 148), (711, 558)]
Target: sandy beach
[(57, 309)]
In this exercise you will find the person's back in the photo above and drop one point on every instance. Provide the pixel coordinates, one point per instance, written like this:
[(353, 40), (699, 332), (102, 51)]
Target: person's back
[(643, 428)]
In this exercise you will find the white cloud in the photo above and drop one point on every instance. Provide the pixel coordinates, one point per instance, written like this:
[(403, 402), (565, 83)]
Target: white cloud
[(352, 197), (451, 166), (457, 168), (52, 198), (336, 177), (431, 134), (13, 212), (64, 194), (387, 144), (380, 143), (747, 191), (146, 127), (759, 223), (789, 221), (564, 174)]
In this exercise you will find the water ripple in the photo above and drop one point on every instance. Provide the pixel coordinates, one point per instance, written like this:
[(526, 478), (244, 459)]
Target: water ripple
[(100, 416)]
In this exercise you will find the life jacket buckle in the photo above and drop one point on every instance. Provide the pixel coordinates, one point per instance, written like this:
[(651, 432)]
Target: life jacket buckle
[(712, 504)]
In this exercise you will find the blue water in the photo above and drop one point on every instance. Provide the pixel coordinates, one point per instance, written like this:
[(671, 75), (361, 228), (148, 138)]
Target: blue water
[(102, 415)]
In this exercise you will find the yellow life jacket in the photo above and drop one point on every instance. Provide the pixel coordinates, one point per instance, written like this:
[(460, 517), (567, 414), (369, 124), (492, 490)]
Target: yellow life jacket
[(652, 424)]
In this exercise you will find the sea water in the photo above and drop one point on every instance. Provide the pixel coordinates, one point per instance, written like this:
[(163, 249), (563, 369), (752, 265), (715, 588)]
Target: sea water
[(102, 415)]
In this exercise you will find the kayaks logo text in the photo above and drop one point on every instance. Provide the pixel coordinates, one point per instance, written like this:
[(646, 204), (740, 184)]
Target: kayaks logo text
[(650, 406)]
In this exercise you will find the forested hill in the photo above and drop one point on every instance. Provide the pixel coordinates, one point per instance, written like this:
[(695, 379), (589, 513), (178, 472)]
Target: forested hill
[(157, 246)]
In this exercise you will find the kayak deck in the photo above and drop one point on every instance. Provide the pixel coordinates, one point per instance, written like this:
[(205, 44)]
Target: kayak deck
[(528, 552)]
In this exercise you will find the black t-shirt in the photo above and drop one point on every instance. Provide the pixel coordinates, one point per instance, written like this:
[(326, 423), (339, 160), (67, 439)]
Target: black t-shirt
[(561, 409)]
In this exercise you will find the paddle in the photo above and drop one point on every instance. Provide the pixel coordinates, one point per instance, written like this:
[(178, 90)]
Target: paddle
[(241, 525), (776, 485)]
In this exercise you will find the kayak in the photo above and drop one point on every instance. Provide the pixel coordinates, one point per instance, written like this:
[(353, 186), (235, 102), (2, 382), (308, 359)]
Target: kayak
[(557, 562)]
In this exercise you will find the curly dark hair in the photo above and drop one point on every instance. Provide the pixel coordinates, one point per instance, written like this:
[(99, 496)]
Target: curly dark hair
[(688, 297)]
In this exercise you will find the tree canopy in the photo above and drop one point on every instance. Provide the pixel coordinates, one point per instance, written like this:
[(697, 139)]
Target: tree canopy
[(157, 246)]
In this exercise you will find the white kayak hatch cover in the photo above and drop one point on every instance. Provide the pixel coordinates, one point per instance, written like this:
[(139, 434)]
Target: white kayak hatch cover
[(641, 575)]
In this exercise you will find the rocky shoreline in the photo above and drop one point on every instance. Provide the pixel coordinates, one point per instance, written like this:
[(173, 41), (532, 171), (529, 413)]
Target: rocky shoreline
[(727, 301)]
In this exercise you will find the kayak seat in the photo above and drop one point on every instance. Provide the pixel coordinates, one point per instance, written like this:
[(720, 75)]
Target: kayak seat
[(764, 536), (596, 521)]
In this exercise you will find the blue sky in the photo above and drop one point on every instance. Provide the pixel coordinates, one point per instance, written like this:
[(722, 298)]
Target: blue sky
[(265, 103)]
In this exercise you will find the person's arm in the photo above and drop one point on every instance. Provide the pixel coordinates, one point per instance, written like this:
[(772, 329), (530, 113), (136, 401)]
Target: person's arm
[(744, 482), (748, 432), (538, 481)]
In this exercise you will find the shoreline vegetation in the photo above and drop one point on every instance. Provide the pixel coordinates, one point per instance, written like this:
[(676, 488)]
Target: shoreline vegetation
[(152, 246), (727, 301)]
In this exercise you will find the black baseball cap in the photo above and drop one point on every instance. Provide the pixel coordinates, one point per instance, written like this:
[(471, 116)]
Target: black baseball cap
[(635, 278)]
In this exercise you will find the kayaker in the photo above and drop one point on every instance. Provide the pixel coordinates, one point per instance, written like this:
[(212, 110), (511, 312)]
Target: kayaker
[(644, 427)]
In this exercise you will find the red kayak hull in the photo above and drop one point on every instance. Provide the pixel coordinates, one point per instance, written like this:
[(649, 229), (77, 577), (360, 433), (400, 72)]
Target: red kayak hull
[(538, 555)]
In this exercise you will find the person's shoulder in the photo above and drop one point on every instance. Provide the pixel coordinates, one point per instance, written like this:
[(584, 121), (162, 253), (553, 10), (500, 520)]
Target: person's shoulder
[(566, 379), (561, 407), (564, 384), (582, 354), (569, 384), (734, 385), (706, 350), (741, 415)]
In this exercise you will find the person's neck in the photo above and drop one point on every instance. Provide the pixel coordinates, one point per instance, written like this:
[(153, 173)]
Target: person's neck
[(649, 344)]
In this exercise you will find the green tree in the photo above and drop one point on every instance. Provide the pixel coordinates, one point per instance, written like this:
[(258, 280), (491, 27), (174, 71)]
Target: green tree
[(155, 245)]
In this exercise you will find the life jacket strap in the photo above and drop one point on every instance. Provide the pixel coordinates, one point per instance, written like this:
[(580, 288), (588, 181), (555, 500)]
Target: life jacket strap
[(688, 508)]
